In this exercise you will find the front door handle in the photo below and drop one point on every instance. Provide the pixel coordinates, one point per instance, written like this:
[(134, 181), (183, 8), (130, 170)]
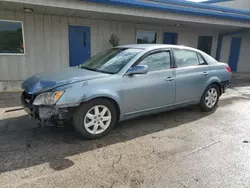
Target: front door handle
[(205, 73), (169, 79)]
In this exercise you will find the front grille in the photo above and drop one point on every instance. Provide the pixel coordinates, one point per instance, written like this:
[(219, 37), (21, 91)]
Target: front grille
[(28, 97)]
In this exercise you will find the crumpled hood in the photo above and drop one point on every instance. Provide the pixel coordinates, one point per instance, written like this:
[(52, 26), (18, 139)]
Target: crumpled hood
[(48, 80)]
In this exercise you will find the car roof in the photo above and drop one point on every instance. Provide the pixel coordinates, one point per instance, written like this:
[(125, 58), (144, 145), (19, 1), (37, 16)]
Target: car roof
[(156, 46), (149, 47)]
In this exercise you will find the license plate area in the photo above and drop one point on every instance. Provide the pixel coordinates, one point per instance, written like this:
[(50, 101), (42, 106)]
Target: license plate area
[(46, 113)]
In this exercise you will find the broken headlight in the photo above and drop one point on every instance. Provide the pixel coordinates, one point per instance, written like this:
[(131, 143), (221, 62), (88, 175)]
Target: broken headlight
[(48, 98)]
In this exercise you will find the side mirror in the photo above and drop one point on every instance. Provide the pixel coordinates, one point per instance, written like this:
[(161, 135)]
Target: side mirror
[(139, 69)]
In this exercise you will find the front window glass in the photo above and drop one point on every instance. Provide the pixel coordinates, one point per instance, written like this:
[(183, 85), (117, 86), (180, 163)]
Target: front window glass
[(11, 37), (146, 37), (110, 61), (157, 61)]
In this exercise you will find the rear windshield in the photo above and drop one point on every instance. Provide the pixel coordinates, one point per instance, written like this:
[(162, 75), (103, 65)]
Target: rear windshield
[(110, 61)]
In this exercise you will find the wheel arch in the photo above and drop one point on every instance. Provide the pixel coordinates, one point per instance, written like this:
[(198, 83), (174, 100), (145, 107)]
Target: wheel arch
[(216, 81), (219, 86)]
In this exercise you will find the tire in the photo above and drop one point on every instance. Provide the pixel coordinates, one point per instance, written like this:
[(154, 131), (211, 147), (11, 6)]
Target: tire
[(91, 124), (208, 97)]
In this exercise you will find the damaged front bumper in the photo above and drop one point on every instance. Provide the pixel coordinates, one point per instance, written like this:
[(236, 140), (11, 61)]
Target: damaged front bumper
[(45, 114)]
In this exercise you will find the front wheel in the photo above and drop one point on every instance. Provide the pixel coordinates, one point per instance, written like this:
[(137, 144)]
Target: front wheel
[(95, 118), (210, 98)]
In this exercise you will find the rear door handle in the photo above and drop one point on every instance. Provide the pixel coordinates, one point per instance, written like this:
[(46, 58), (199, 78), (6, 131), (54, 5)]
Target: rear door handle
[(205, 73), (169, 79)]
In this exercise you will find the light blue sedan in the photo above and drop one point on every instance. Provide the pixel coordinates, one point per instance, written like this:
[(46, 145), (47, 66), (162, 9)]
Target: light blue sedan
[(123, 83)]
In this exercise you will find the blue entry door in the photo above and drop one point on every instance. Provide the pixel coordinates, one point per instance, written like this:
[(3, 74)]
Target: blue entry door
[(234, 53), (170, 38), (79, 45)]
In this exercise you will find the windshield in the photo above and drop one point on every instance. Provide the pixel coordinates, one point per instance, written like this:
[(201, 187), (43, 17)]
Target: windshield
[(110, 61)]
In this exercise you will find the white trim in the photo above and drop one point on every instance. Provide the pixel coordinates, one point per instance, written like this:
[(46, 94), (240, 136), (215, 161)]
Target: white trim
[(140, 30), (24, 46)]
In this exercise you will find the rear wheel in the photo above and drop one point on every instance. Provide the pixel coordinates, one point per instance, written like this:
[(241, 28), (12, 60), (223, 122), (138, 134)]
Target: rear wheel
[(95, 118), (210, 98)]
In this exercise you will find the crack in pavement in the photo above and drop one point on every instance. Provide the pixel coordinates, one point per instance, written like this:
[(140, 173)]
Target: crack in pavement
[(202, 148), (116, 162)]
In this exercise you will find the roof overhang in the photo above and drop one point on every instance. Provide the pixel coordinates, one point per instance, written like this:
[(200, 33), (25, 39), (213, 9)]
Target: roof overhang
[(182, 7), (215, 1), (87, 9)]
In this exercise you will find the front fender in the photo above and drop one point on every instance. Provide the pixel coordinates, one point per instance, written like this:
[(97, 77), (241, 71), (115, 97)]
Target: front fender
[(101, 93), (82, 92)]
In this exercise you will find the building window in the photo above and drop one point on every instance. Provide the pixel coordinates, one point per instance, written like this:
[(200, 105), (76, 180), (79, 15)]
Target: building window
[(11, 37), (205, 44), (146, 37)]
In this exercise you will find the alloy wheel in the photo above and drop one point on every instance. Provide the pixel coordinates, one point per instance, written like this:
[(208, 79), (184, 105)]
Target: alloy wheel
[(211, 97), (97, 119)]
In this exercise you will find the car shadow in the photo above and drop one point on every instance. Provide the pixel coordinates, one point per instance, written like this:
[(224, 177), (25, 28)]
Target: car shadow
[(27, 148), (231, 100)]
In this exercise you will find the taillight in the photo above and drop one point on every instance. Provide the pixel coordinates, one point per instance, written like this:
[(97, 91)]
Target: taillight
[(229, 69)]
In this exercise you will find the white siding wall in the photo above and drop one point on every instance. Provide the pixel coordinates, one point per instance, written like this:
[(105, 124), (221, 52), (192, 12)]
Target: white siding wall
[(46, 41), (244, 58), (225, 49)]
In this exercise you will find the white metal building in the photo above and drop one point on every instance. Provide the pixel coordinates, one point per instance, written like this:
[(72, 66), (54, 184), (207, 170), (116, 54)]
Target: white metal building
[(42, 35)]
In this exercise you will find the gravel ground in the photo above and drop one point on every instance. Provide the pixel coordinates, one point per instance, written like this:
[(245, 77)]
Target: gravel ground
[(181, 148)]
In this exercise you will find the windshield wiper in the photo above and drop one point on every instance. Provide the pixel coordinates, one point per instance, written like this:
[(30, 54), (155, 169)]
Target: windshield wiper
[(87, 68), (107, 72)]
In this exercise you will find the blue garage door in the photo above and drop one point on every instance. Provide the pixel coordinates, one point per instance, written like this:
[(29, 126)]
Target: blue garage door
[(79, 45), (234, 53)]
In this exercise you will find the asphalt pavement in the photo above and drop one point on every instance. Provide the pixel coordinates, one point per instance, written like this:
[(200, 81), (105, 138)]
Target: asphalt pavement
[(181, 148)]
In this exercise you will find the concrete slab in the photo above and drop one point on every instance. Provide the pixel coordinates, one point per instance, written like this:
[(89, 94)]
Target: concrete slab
[(7, 86)]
